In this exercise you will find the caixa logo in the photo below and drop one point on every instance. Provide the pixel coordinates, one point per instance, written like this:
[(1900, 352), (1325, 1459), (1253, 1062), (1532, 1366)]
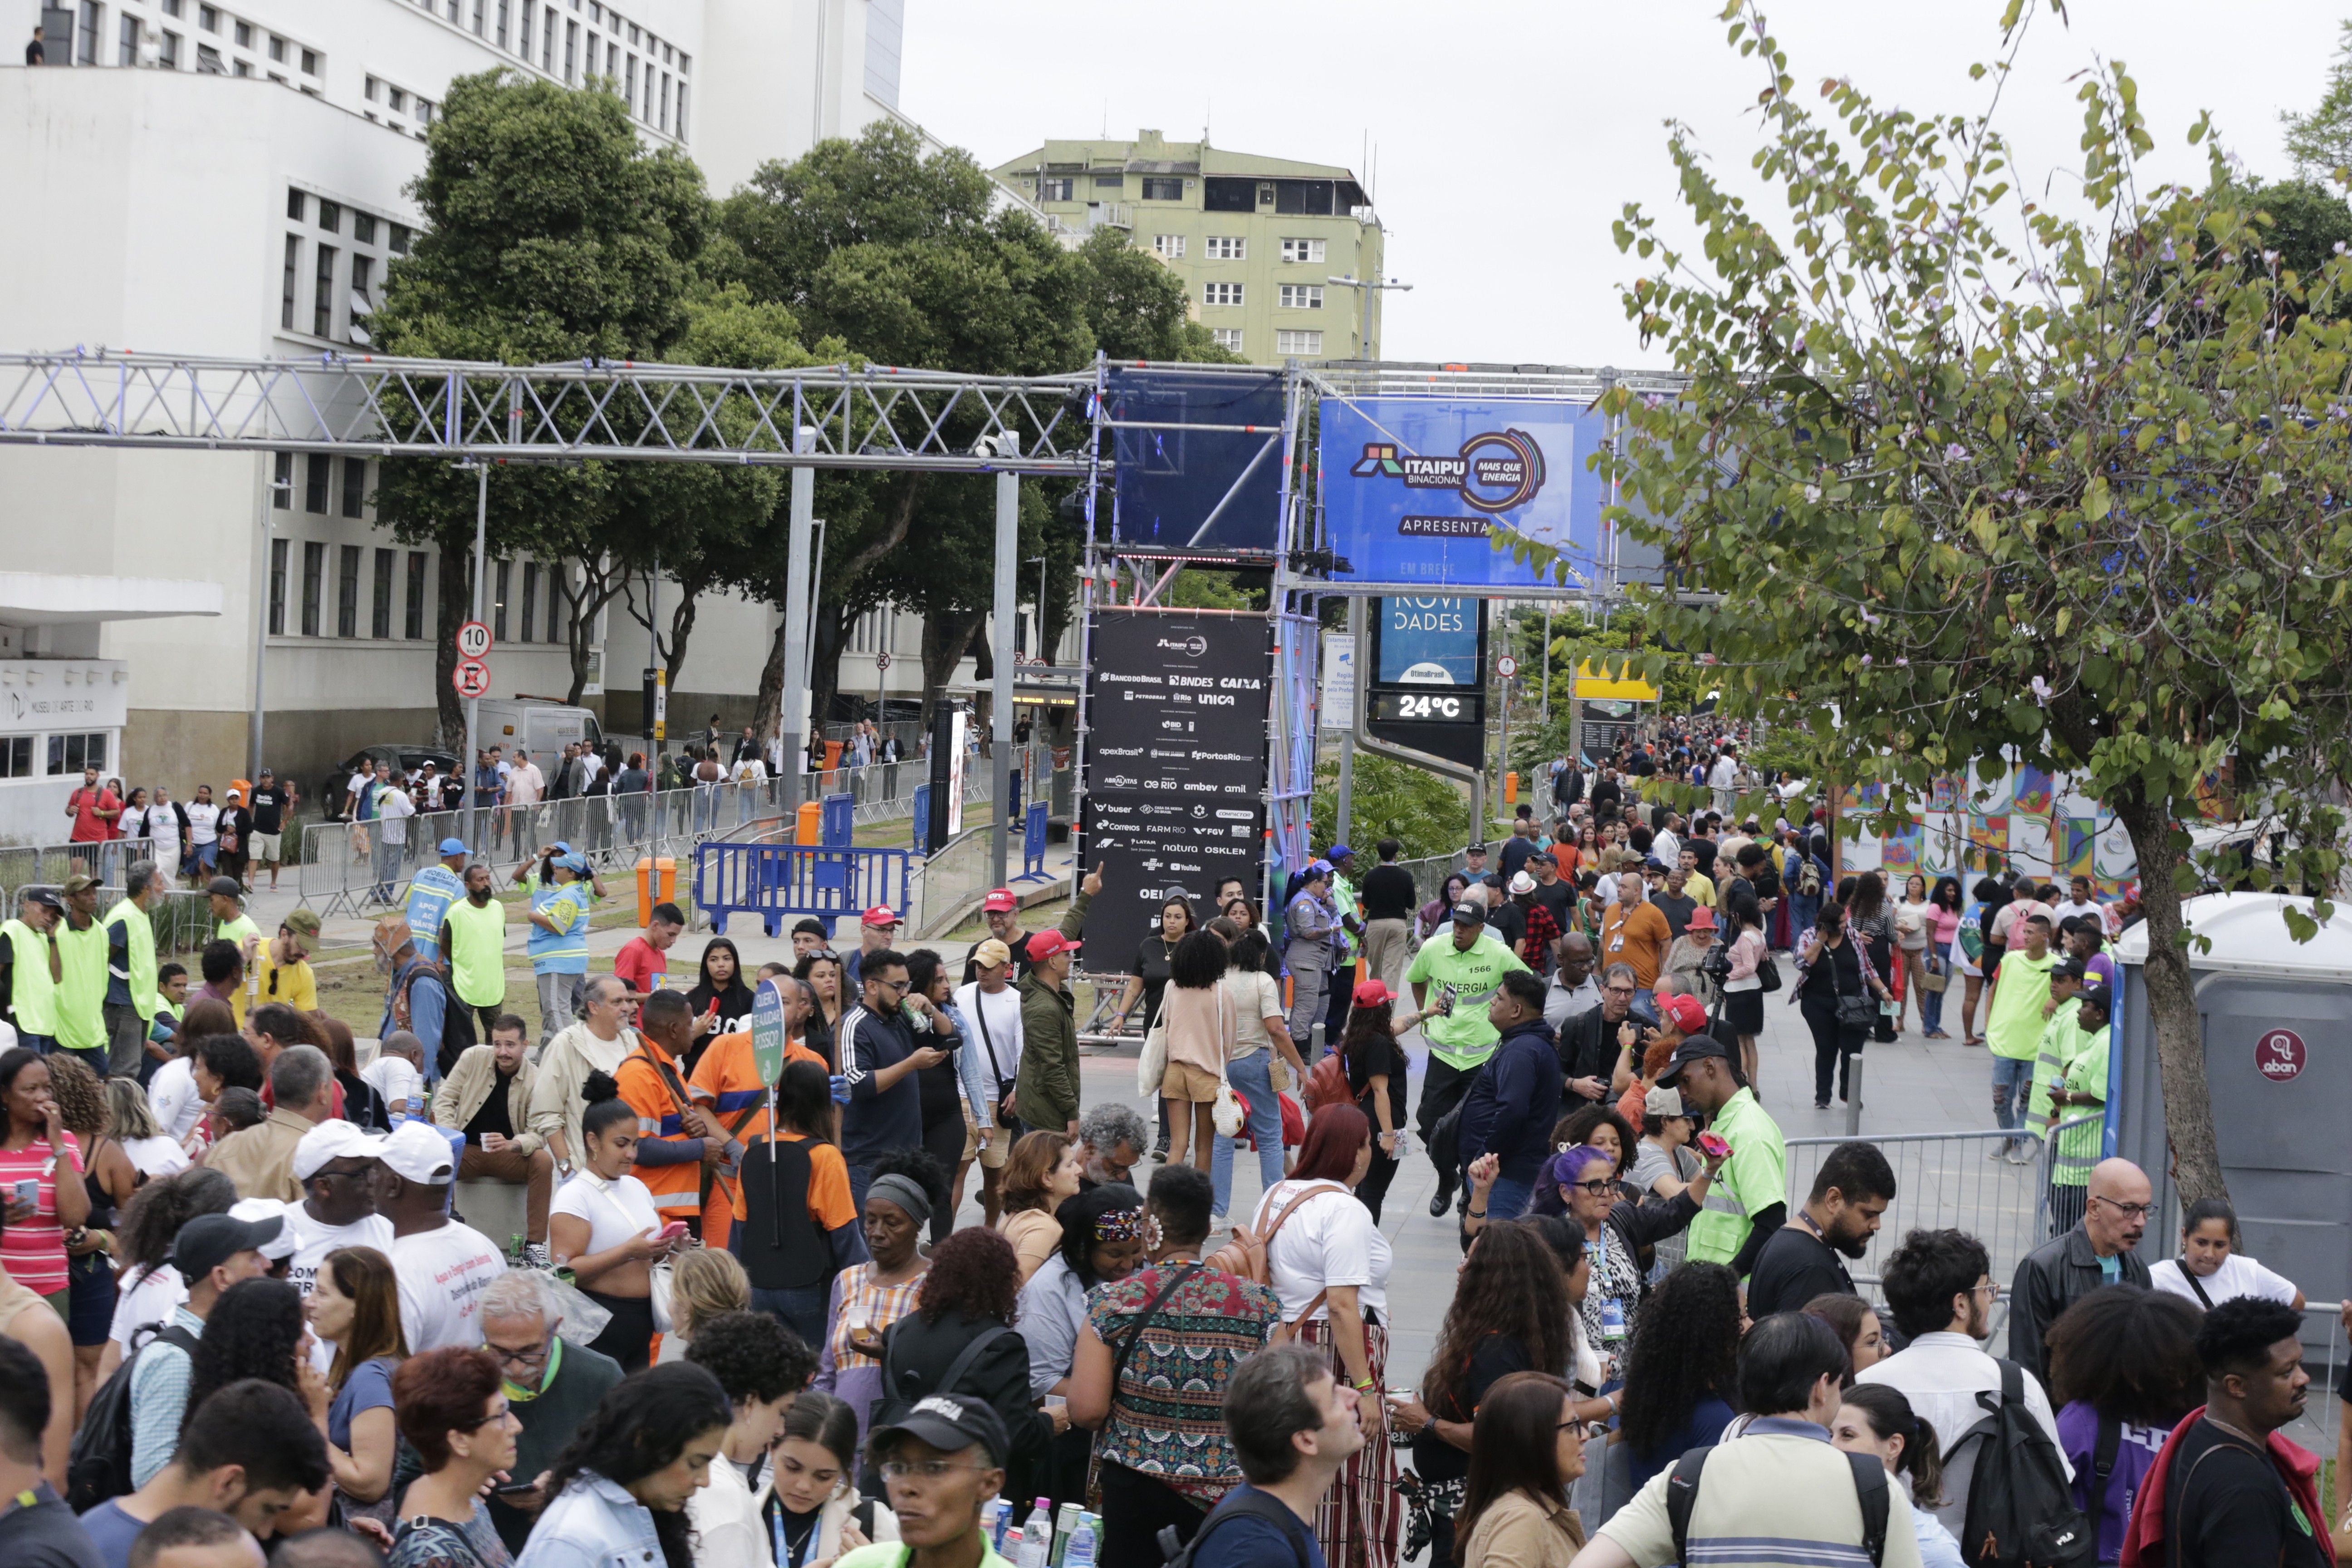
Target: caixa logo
[(1192, 647)]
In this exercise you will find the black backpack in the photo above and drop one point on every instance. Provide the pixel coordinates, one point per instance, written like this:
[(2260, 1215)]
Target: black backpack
[(1870, 1490), (2020, 1506), (99, 1464), (1242, 1502)]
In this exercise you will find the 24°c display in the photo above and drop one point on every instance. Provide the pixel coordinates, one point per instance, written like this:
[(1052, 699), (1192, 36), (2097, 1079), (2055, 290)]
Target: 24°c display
[(1428, 707)]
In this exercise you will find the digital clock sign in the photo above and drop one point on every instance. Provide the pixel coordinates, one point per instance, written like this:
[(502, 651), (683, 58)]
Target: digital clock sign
[(1428, 707)]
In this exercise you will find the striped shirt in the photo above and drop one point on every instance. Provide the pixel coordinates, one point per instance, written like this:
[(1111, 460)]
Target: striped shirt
[(35, 1252), (1777, 1497), (878, 1119)]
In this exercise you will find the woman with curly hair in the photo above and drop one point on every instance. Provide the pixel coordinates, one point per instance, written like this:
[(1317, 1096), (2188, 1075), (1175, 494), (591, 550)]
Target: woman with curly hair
[(1199, 1016), (959, 1340), (1510, 1314), (110, 1179), (1598, 1126), (1102, 1241), (1682, 1369), (622, 1484), (257, 1328), (762, 1366), (2123, 1370), (149, 1287)]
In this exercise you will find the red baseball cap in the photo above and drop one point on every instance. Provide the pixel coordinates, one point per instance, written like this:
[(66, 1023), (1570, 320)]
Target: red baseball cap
[(999, 900), (881, 915), (1686, 1013), (1046, 943), (1371, 993)]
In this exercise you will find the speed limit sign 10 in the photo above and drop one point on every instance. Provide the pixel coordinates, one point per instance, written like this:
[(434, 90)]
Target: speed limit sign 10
[(473, 640)]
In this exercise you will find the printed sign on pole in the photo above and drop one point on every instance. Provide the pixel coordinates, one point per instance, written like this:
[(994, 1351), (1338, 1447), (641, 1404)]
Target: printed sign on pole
[(1339, 680), (1507, 666), (768, 1032), (473, 640), (471, 678)]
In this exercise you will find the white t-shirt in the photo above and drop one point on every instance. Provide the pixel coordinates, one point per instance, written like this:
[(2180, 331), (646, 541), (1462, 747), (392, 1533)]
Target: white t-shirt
[(442, 1275), (2238, 1276), (751, 771), (172, 1093), (203, 822), (395, 1079), (1004, 1025), (153, 1300), (163, 826), (156, 1157), (1328, 1240), (393, 807), (2068, 910), (614, 1211), (314, 1238)]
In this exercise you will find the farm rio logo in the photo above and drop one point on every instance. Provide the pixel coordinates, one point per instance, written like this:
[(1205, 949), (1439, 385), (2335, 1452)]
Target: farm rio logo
[(1494, 472)]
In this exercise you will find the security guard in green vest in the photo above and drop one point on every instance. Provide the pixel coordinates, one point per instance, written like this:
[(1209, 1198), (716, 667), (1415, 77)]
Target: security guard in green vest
[(81, 976), (473, 949), (131, 987), (29, 968)]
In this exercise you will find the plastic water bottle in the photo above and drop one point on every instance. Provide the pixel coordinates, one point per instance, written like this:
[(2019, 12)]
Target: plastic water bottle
[(1036, 1538), (1066, 1523), (1080, 1552)]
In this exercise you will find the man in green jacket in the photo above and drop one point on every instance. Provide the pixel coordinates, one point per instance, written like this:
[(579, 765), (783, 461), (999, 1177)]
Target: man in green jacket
[(81, 974), (131, 998), (1046, 1092)]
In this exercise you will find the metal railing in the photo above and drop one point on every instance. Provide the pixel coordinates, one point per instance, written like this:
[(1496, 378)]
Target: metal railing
[(48, 864), (774, 883)]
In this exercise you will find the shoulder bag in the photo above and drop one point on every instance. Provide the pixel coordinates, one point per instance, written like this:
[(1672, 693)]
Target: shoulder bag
[(1005, 1086), (1226, 1111)]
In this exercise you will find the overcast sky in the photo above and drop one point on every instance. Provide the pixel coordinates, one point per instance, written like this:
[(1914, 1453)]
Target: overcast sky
[(1508, 134)]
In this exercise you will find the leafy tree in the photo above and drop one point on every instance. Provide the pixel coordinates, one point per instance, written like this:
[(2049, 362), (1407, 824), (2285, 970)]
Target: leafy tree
[(1424, 813), (2320, 142), (1137, 308), (1980, 482)]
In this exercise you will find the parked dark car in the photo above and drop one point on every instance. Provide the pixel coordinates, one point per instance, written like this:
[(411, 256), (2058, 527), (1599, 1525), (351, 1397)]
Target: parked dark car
[(407, 759)]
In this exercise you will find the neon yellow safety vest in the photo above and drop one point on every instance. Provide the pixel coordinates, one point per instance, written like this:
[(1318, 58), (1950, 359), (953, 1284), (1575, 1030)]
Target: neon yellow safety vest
[(81, 985), (33, 994), (139, 947), (478, 964)]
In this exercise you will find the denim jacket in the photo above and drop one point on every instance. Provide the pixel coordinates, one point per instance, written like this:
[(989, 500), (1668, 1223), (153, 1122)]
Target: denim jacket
[(594, 1524)]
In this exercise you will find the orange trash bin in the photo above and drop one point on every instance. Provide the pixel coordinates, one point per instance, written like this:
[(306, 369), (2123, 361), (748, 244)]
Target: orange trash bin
[(657, 884)]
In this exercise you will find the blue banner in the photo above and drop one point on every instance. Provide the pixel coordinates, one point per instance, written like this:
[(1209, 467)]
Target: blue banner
[(1414, 489), (1428, 642)]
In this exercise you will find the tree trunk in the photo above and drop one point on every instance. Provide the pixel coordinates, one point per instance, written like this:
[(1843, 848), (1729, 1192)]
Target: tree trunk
[(2172, 1007), (598, 589), (681, 628), (825, 664), (767, 706), (945, 635), (456, 605)]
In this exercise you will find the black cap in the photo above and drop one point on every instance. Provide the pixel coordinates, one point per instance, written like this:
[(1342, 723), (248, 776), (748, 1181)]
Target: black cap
[(1694, 1048), (47, 896), (209, 1240), (949, 1422), (1469, 912), (1476, 850)]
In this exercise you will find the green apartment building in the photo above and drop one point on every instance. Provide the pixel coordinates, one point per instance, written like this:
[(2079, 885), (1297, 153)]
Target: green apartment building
[(1257, 240)]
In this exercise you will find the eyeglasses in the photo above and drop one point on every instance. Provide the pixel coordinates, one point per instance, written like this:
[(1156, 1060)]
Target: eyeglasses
[(521, 1358), (478, 1422), (1596, 1189), (2130, 1211), (901, 986), (1621, 990), (1987, 1288), (922, 1469)]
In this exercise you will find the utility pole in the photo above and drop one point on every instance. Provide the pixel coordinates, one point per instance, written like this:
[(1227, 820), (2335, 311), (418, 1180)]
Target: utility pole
[(1008, 561), (1343, 829), (1369, 290), (481, 586), (797, 624), (270, 486)]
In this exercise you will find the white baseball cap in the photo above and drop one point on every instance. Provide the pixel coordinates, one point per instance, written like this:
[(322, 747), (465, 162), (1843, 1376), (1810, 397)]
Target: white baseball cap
[(334, 1139), (281, 1243), (416, 1151)]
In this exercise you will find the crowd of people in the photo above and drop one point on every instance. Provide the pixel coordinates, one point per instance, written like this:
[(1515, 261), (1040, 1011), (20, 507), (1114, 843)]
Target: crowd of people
[(243, 1312), (194, 841)]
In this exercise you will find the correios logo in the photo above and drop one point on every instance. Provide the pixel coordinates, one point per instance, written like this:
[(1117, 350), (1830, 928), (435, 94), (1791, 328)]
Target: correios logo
[(1495, 471), (1192, 647)]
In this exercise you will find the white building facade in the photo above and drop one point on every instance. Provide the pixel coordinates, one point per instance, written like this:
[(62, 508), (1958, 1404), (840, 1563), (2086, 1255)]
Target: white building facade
[(228, 180)]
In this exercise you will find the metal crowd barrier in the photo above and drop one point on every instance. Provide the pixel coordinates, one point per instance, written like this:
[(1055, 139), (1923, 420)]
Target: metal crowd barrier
[(775, 881), (48, 864)]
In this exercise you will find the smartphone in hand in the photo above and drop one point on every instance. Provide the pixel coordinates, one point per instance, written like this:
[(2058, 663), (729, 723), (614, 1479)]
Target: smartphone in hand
[(1713, 1147)]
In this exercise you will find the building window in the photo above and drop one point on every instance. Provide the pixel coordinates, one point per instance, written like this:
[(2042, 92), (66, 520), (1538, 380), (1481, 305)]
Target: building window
[(85, 41), (664, 103), (314, 578), (411, 624), (278, 48), (293, 277), (1058, 190), (282, 490), (322, 302), (171, 8), (347, 592), (1228, 338), (330, 216), (363, 228), (629, 86), (380, 613), (373, 91), (315, 480), (362, 294), (167, 54), (1302, 250), (245, 35), (1169, 246), (396, 99), (1164, 190), (1221, 293), (208, 60), (499, 604), (681, 111), (1110, 182), (16, 757), (71, 753), (502, 24), (241, 68), (400, 239), (481, 19), (529, 596), (571, 52), (1305, 343), (208, 18), (1302, 296), (354, 486), (555, 594), (126, 44), (1228, 247), (279, 551), (309, 62)]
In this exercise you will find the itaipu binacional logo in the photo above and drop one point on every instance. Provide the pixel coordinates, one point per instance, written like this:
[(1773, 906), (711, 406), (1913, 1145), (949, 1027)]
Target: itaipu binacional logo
[(1494, 472)]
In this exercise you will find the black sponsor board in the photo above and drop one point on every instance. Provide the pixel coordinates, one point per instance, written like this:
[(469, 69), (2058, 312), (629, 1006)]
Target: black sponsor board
[(1173, 797)]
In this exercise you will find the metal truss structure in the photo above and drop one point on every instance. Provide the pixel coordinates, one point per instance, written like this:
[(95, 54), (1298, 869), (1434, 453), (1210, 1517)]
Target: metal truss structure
[(869, 417)]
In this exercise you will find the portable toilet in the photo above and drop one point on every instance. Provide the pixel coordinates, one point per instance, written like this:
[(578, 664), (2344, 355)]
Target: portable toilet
[(2278, 1074)]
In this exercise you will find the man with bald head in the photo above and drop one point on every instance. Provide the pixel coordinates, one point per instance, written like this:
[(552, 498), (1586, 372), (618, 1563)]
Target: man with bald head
[(2098, 1251)]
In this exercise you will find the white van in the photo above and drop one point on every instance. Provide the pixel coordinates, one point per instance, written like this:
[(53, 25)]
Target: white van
[(540, 727)]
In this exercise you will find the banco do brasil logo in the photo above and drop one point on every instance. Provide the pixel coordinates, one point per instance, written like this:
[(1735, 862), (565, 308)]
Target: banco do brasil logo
[(1495, 470)]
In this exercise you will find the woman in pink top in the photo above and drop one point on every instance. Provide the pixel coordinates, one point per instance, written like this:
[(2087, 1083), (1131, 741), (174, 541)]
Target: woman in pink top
[(1943, 929), (36, 1148)]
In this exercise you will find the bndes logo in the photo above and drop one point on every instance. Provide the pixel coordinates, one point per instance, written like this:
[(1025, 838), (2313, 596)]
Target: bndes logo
[(1193, 646)]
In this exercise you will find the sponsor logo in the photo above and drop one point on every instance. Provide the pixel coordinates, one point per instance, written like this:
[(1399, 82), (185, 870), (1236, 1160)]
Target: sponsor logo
[(1495, 471), (1192, 647), (1118, 781), (1232, 815)]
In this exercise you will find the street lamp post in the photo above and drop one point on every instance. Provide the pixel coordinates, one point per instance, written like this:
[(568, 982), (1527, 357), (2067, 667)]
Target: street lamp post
[(270, 486), (1364, 344)]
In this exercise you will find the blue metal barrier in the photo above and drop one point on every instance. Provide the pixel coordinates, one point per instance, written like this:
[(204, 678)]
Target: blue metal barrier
[(1032, 845), (778, 882), (839, 830), (922, 845)]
